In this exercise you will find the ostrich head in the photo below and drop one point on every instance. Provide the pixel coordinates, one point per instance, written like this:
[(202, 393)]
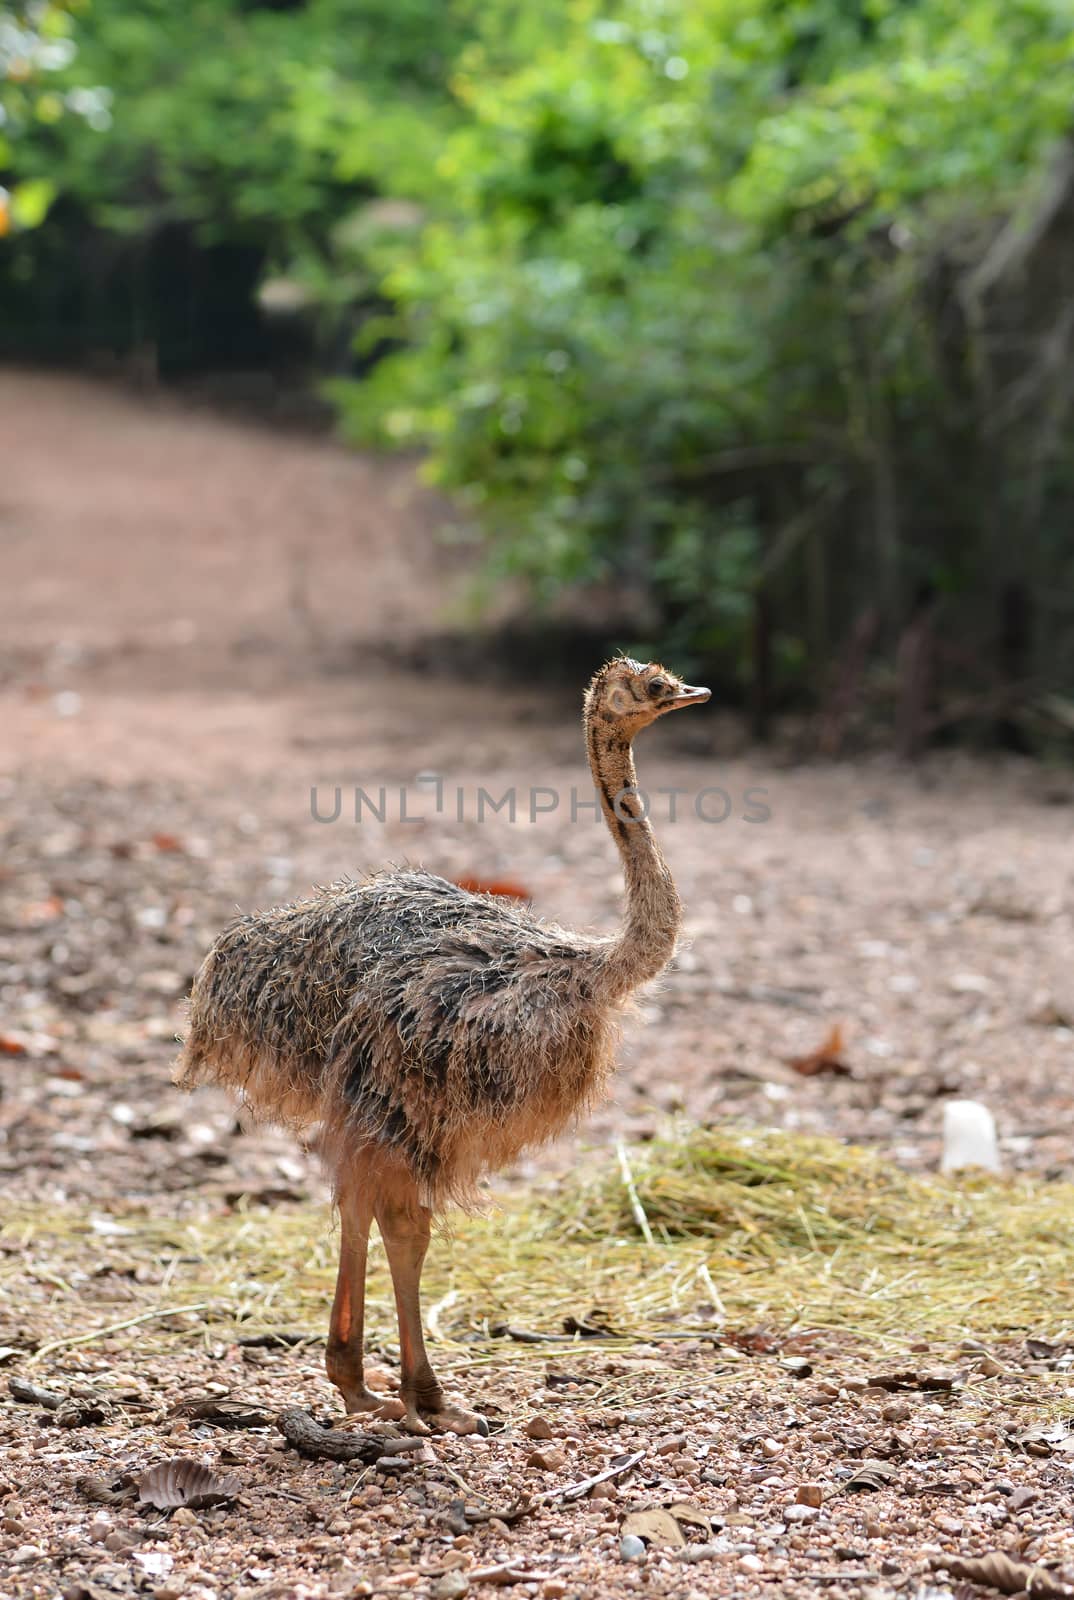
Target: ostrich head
[(632, 695)]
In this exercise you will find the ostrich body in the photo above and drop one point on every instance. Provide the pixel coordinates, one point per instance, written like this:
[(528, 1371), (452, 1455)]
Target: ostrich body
[(431, 1034)]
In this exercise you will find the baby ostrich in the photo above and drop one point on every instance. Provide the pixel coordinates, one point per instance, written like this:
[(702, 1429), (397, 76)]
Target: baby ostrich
[(431, 1034)]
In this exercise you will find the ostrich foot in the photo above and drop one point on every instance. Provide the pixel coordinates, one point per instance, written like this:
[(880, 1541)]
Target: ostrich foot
[(385, 1408), (442, 1418)]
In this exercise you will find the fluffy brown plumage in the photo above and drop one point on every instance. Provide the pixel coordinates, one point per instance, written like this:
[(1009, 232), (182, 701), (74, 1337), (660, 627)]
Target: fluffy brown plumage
[(430, 1034), (405, 1016)]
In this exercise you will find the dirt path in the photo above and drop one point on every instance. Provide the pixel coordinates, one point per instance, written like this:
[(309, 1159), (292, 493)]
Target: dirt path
[(203, 622)]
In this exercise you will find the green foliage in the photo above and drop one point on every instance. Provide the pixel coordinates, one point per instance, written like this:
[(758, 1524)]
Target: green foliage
[(680, 285), (268, 130), (35, 43), (233, 139)]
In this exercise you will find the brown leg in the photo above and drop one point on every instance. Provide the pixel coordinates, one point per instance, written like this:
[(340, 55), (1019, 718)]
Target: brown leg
[(344, 1357), (405, 1225)]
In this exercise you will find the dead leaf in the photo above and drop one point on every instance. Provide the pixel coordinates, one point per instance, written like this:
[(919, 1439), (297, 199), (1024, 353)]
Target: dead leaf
[(998, 1571), (1042, 1438), (504, 887), (872, 1475), (221, 1413), (82, 1411), (658, 1528), (754, 1341), (690, 1516), (470, 1516), (1045, 1349), (183, 1482), (591, 1327), (930, 1382), (37, 912), (828, 1057), (108, 1493)]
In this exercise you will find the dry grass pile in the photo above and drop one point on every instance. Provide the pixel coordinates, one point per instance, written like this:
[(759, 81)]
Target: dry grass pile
[(705, 1229)]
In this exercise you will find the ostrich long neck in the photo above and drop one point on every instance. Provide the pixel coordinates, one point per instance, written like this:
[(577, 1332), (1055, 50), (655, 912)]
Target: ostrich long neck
[(650, 928)]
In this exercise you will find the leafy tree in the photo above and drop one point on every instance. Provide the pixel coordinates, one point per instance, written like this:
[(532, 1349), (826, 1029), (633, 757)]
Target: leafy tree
[(35, 45), (697, 311)]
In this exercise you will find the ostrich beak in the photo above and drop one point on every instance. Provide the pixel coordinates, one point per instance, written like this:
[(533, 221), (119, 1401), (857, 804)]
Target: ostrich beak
[(690, 697)]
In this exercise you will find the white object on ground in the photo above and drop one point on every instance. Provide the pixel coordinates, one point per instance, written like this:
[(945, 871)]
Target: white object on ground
[(969, 1137)]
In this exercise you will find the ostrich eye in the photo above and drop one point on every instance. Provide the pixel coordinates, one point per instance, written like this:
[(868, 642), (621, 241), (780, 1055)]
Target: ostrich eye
[(657, 686)]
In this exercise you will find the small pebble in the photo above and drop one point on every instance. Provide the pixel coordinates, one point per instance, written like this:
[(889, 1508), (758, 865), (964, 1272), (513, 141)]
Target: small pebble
[(25, 1552), (810, 1494), (631, 1548), (751, 1563), (183, 1517), (553, 1589), (451, 1586), (897, 1411), (120, 1540), (539, 1428), (799, 1513), (670, 1445), (547, 1460), (771, 1447)]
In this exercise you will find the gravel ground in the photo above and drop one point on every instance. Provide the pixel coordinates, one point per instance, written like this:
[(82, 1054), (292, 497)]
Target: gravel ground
[(204, 623)]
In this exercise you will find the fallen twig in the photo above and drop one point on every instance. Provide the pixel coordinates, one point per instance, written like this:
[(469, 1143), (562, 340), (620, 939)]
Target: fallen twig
[(456, 1478), (277, 1341), (113, 1327), (506, 1573), (332, 1444), (507, 1330), (28, 1394), (637, 1210), (575, 1491)]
